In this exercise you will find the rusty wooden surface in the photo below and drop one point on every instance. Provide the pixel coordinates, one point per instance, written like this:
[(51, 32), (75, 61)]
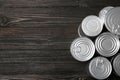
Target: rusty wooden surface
[(38, 48)]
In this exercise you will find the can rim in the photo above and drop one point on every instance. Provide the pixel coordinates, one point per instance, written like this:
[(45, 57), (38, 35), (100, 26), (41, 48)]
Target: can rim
[(79, 32), (115, 65), (79, 27)]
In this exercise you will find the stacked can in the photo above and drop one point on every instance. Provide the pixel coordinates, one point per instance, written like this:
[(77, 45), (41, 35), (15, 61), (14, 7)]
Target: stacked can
[(116, 64), (100, 68), (82, 49), (106, 45)]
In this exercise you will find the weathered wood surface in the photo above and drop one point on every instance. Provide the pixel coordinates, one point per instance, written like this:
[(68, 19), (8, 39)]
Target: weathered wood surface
[(38, 49)]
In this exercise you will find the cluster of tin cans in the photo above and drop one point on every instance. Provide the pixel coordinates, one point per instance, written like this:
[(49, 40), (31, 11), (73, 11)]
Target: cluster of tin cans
[(99, 43)]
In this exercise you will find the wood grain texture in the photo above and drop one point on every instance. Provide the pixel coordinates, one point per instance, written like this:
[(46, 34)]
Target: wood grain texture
[(38, 48)]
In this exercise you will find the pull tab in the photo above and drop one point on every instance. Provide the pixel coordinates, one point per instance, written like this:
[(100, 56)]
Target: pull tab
[(100, 63)]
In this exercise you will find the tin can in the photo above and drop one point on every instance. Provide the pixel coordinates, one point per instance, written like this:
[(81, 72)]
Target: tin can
[(116, 64), (112, 20), (82, 49), (107, 44), (100, 68), (103, 13), (92, 25), (80, 32)]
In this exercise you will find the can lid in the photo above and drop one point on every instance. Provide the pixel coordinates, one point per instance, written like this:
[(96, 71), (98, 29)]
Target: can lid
[(92, 25), (100, 68), (82, 49), (112, 20), (116, 64), (103, 12), (107, 44)]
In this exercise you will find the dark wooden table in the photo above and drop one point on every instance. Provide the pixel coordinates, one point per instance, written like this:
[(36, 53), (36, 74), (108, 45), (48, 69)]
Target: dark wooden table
[(38, 49)]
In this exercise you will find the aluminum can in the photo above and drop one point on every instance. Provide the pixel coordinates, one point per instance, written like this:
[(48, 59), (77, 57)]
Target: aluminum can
[(82, 49), (92, 25), (107, 44), (100, 68), (112, 20)]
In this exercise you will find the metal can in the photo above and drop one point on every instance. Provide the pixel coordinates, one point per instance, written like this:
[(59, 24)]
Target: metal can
[(103, 12), (112, 20), (107, 44), (116, 64), (100, 68), (82, 49), (80, 32), (92, 25)]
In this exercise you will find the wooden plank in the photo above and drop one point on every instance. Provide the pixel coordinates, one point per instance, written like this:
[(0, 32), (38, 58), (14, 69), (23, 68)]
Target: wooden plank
[(98, 3), (39, 56), (50, 77), (42, 68), (44, 77), (34, 53), (62, 12), (58, 3), (13, 32), (32, 38), (38, 3)]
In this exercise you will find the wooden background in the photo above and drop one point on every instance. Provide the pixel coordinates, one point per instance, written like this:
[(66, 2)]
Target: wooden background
[(38, 49)]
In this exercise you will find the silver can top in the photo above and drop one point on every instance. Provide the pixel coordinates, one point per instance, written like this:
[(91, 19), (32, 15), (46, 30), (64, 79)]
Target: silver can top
[(103, 12), (112, 20), (107, 44), (92, 25), (116, 64), (100, 68), (82, 49)]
